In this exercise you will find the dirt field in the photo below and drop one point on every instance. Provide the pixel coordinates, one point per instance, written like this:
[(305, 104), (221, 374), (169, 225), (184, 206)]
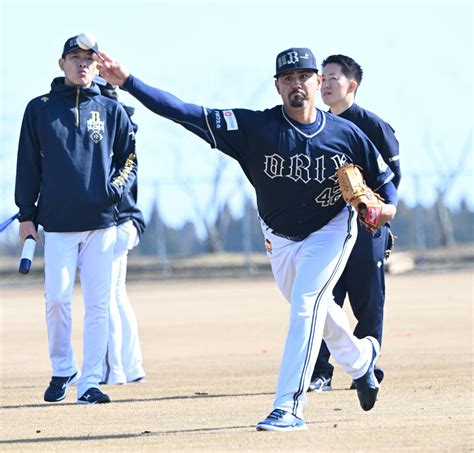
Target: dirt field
[(212, 352)]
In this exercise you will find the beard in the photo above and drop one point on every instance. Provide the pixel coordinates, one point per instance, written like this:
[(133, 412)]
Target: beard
[(297, 101)]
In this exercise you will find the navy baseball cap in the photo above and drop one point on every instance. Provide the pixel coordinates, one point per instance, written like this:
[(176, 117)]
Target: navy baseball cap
[(295, 58), (73, 44)]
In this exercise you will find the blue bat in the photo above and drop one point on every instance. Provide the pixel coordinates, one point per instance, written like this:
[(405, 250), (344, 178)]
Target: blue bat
[(7, 222)]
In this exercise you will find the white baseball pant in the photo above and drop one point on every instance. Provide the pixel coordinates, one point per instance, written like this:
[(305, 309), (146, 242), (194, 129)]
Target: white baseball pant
[(306, 273), (124, 356), (92, 253)]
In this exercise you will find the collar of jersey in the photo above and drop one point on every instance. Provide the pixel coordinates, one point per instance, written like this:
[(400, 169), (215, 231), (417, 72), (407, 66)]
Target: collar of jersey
[(320, 128)]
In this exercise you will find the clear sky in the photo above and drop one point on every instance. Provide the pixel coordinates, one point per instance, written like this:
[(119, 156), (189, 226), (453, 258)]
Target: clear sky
[(416, 55)]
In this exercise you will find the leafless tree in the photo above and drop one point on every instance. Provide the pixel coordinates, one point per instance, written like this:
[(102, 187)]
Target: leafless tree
[(215, 216), (447, 176)]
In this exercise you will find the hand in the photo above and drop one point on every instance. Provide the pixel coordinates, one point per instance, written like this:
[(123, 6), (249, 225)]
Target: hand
[(27, 228), (373, 217), (111, 70), (387, 213)]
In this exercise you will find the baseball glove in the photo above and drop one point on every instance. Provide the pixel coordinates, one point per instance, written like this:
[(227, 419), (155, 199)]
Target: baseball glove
[(355, 191)]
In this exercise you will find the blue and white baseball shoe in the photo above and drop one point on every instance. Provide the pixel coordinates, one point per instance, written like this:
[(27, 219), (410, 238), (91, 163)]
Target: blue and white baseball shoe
[(320, 383), (57, 388), (367, 385), (280, 420)]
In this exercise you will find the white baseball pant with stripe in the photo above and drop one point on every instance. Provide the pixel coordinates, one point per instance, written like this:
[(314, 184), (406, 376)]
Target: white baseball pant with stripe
[(124, 355), (92, 253), (306, 273)]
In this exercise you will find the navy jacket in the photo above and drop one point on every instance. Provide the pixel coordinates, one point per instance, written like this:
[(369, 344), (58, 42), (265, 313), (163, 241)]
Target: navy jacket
[(127, 208), (380, 133), (76, 159)]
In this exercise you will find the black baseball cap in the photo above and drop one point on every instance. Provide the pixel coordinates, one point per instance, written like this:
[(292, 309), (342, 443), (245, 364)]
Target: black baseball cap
[(72, 44), (295, 58)]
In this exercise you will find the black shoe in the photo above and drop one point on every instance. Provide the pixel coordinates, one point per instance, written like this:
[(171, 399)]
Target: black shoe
[(379, 375), (367, 385), (58, 387), (321, 383), (93, 396), (139, 380)]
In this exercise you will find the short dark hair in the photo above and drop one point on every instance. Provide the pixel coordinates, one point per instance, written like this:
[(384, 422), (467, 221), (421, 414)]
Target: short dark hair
[(349, 67)]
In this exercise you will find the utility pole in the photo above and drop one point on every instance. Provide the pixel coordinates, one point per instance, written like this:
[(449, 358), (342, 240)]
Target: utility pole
[(160, 236)]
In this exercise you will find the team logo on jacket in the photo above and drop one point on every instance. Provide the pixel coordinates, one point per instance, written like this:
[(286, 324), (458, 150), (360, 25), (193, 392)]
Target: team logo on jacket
[(308, 170), (95, 126), (230, 120)]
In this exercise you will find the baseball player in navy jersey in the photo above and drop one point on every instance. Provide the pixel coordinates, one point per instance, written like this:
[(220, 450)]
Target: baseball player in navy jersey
[(363, 279), (124, 360), (290, 154), (76, 161)]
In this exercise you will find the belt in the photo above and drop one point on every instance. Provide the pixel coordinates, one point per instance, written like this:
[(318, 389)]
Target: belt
[(297, 238)]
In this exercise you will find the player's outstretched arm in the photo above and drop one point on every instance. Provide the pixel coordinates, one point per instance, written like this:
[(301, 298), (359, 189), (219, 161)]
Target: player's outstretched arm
[(192, 117), (111, 70)]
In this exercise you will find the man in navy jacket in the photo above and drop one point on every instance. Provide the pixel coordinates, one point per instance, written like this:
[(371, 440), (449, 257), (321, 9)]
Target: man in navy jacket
[(363, 279), (76, 161), (124, 359)]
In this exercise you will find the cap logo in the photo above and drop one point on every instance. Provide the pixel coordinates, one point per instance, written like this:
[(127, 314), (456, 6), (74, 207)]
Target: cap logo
[(291, 58), (288, 58), (72, 42), (295, 58)]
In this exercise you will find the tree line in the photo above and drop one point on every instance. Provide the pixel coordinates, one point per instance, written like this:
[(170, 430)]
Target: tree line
[(415, 228)]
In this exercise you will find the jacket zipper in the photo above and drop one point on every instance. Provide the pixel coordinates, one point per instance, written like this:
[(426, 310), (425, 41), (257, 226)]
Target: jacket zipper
[(78, 92)]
